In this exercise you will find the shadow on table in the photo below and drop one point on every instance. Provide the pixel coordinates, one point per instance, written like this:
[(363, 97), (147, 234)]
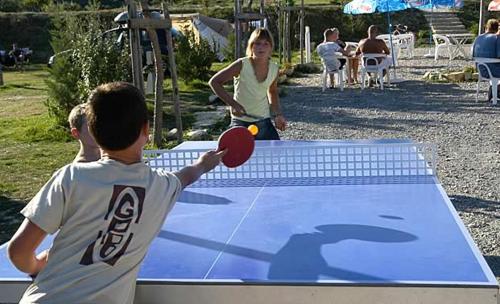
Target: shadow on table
[(301, 258), (202, 198)]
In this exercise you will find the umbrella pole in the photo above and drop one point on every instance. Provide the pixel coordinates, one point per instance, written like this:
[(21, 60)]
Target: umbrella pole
[(430, 54), (390, 39)]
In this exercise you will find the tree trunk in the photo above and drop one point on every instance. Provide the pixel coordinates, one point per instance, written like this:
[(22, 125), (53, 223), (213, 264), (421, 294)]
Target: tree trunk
[(135, 48), (173, 75)]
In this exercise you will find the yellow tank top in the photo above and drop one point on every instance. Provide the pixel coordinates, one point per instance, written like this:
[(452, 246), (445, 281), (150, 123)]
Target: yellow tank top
[(251, 93)]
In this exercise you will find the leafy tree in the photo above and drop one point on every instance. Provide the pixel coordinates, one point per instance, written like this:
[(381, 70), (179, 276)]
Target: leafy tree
[(34, 5), (228, 51), (10, 6), (193, 58), (85, 59)]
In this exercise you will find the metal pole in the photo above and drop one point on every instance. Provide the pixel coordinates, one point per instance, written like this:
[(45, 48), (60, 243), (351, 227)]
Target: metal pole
[(481, 21), (390, 39), (308, 44)]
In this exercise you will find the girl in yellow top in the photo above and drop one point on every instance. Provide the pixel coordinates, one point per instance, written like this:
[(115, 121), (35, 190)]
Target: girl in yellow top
[(255, 87)]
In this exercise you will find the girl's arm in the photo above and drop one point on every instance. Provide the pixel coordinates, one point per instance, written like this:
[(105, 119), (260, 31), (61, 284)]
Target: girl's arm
[(217, 84), (274, 99), (22, 246)]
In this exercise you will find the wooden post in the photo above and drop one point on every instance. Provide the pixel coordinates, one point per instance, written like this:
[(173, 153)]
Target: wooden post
[(173, 75), (158, 106), (285, 40), (261, 11), (151, 25), (237, 28), (135, 48), (301, 16), (280, 35), (287, 36)]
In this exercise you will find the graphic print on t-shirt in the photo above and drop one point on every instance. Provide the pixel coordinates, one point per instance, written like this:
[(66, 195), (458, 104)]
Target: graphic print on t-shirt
[(124, 210)]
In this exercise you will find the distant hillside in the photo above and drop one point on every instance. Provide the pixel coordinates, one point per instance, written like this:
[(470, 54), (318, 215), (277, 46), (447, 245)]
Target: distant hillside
[(45, 5)]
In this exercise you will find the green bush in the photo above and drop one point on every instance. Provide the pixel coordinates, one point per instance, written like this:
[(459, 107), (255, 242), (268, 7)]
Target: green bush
[(88, 60), (228, 51), (307, 68), (10, 6), (193, 58)]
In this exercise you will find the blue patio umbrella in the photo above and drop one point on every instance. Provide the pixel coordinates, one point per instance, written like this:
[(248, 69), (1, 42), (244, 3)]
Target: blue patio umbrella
[(381, 6), (357, 7)]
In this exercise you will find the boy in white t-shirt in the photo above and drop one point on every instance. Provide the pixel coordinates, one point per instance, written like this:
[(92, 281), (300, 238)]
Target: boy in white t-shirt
[(106, 212)]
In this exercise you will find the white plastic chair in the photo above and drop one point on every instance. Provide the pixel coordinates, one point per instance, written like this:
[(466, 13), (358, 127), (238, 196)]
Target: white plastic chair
[(442, 42), (326, 76), (406, 44), (330, 70), (482, 62), (370, 64)]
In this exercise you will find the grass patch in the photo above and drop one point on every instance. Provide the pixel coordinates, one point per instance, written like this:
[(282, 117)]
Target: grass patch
[(33, 129)]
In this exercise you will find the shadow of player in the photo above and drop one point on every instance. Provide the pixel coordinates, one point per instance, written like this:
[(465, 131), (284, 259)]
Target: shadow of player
[(300, 259)]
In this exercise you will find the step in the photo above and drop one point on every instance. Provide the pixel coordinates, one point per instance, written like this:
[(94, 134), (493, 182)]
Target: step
[(441, 20), (453, 22), (448, 28), (450, 32)]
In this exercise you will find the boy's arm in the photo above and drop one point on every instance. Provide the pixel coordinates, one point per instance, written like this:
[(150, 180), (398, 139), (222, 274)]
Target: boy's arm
[(22, 246), (205, 163)]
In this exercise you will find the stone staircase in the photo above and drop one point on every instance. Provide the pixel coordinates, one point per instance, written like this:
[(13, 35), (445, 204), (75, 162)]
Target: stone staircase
[(445, 23)]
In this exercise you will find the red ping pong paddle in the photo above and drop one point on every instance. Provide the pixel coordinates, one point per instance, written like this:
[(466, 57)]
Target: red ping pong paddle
[(239, 143)]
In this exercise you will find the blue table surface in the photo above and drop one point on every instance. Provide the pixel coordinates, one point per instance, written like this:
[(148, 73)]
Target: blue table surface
[(374, 234)]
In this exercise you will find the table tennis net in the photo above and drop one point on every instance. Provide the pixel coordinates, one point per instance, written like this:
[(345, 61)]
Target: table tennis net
[(313, 165)]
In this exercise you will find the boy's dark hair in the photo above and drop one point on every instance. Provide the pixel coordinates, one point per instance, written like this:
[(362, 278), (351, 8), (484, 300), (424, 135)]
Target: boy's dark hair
[(116, 114)]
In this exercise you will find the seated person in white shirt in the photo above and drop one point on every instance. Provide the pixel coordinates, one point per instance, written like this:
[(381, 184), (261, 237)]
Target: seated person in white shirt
[(327, 49)]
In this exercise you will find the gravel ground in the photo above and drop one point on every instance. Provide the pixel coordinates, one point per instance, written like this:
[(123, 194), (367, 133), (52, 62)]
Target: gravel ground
[(467, 133)]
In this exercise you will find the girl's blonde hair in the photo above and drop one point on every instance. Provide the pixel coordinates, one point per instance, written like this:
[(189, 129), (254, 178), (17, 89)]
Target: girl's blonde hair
[(260, 33)]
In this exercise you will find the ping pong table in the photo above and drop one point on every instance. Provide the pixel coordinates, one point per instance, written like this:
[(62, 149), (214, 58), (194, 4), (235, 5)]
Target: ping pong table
[(308, 222)]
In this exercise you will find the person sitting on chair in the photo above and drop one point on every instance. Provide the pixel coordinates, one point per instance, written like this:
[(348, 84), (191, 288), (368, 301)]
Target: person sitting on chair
[(487, 45), (327, 49), (372, 45)]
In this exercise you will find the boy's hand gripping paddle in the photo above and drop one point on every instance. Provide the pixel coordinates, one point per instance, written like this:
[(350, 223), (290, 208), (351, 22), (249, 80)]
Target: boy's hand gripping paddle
[(239, 143)]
